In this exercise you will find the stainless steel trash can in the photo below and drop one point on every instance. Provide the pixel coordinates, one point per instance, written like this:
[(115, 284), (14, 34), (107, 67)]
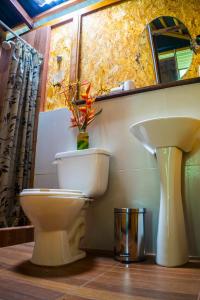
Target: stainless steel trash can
[(129, 231)]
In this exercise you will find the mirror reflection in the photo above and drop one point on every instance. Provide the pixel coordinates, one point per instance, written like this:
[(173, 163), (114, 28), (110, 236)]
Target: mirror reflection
[(170, 43)]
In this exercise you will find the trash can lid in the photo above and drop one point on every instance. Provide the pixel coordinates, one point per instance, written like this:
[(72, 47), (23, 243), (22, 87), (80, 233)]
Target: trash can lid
[(129, 210)]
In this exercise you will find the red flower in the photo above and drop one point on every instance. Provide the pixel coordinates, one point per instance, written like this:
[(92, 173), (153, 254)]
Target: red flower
[(82, 115), (83, 109)]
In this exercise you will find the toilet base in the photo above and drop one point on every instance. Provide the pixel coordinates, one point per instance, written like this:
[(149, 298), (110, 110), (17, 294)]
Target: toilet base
[(79, 256), (53, 248)]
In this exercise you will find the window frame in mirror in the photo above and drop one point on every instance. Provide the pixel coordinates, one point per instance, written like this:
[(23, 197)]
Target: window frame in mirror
[(155, 53)]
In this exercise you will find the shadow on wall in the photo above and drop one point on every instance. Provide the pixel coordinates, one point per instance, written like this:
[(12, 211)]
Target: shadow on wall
[(191, 196), (149, 231)]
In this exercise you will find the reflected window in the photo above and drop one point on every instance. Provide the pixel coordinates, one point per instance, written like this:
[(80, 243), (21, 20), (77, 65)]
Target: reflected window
[(170, 44)]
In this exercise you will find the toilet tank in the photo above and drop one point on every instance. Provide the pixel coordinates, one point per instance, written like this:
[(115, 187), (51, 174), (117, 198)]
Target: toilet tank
[(84, 170)]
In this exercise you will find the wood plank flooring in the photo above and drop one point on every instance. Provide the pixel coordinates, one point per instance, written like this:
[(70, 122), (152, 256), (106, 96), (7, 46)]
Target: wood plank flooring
[(94, 278)]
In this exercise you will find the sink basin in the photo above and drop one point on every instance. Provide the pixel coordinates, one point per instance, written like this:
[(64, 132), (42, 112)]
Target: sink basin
[(168, 137), (180, 132)]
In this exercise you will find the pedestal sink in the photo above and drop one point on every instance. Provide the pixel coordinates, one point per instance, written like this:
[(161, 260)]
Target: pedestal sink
[(168, 137)]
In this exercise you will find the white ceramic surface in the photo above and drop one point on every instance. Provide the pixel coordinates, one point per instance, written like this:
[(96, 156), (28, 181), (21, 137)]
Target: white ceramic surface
[(172, 249), (167, 137), (180, 132), (57, 215), (84, 170), (59, 225)]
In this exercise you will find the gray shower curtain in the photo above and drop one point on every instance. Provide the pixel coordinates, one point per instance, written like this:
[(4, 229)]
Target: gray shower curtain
[(16, 131)]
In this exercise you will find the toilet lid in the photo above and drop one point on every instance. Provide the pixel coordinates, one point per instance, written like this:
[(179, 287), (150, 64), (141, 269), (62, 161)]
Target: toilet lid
[(52, 192)]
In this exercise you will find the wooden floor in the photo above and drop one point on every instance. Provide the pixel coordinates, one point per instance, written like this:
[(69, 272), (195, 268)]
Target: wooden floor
[(94, 278)]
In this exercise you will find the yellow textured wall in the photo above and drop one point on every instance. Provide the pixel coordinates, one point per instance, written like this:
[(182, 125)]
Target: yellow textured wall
[(115, 48), (114, 44), (60, 46)]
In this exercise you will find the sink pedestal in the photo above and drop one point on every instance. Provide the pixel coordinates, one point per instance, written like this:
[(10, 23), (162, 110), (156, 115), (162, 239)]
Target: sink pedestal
[(171, 240), (165, 137)]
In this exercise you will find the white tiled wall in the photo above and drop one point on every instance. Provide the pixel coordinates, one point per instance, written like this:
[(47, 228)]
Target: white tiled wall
[(134, 178)]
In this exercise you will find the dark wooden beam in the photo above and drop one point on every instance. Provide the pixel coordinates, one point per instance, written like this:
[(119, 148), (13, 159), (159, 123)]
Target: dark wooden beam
[(21, 11), (75, 50), (162, 21), (177, 35), (81, 12), (168, 29), (177, 24), (4, 73), (146, 89), (56, 9), (154, 55)]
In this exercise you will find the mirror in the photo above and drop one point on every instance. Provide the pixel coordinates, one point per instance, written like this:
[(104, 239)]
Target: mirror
[(170, 43), (198, 40)]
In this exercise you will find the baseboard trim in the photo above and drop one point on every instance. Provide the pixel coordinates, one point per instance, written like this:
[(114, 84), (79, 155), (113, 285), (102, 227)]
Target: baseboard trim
[(99, 252), (16, 235), (24, 234), (110, 253)]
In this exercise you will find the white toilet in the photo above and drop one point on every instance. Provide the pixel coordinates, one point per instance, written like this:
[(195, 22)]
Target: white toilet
[(58, 215)]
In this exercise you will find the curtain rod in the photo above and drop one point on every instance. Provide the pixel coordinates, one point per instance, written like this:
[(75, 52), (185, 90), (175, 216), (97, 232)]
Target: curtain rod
[(15, 34)]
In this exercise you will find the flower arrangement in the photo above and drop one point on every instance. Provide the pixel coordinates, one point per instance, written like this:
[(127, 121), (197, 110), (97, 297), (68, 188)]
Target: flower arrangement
[(83, 112)]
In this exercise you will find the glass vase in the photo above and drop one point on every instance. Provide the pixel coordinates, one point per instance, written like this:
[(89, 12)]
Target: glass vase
[(82, 140)]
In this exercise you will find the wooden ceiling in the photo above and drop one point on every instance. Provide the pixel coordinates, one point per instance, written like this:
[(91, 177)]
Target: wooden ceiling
[(169, 34), (17, 12)]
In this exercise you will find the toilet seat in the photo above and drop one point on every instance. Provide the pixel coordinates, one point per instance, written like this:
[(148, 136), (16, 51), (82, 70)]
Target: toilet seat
[(52, 192)]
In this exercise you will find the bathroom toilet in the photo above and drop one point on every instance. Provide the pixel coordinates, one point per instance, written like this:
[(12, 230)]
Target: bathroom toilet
[(58, 215)]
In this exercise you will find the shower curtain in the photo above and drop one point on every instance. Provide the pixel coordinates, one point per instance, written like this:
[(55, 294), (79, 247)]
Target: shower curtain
[(16, 131)]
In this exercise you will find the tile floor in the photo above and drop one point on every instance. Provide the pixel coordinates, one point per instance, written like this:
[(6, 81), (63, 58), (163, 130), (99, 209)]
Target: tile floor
[(94, 278)]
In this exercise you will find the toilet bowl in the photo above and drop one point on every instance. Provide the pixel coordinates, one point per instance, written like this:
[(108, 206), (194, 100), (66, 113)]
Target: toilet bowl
[(58, 215), (58, 218)]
